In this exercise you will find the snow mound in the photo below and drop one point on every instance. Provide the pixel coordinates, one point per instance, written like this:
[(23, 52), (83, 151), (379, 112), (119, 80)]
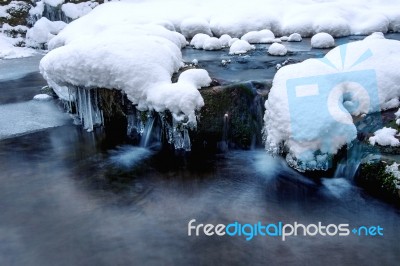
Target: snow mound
[(9, 51), (375, 35), (322, 40), (225, 40), (311, 105), (212, 43), (241, 47), (138, 59), (199, 40), (232, 41), (75, 11), (294, 37), (43, 31), (192, 26), (277, 49), (262, 36), (385, 137)]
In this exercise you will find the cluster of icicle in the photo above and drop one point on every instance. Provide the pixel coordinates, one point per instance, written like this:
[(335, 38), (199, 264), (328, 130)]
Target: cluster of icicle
[(174, 133), (89, 114)]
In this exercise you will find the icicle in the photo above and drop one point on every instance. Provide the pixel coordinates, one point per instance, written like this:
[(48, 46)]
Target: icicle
[(186, 140)]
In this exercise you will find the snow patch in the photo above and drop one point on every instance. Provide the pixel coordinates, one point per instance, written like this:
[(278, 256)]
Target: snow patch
[(385, 137), (277, 49), (241, 47)]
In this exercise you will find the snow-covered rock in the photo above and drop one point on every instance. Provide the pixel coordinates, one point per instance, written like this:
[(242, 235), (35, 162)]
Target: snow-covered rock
[(192, 26), (385, 137), (138, 59), (375, 35), (277, 49), (225, 40), (294, 37), (262, 36), (199, 40), (322, 40), (212, 43), (43, 31), (311, 104), (241, 47), (232, 41), (75, 11)]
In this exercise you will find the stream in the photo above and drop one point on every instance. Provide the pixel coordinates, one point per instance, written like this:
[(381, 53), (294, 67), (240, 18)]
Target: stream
[(69, 197)]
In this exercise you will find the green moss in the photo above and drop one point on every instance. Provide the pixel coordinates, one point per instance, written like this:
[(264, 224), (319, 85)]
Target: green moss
[(374, 178)]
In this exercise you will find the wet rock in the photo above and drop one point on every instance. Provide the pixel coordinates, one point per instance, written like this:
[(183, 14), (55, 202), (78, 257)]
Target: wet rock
[(377, 181), (232, 116)]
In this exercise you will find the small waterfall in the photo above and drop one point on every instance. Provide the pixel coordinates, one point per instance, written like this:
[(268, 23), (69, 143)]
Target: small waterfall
[(148, 130), (348, 166)]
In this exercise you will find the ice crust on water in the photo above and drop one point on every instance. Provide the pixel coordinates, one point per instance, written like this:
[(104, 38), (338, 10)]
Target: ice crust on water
[(25, 117), (311, 123)]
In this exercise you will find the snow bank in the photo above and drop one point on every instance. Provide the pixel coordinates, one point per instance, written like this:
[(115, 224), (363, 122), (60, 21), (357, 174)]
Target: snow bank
[(277, 49), (199, 40), (311, 104), (241, 47), (306, 17), (9, 51), (322, 40), (75, 11), (192, 26), (43, 31), (385, 137), (107, 49)]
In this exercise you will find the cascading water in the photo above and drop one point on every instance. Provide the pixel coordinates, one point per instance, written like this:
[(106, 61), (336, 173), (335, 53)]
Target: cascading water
[(348, 166)]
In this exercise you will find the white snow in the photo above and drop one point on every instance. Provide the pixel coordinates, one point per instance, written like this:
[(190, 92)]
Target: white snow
[(232, 41), (138, 59), (241, 47), (392, 103), (9, 51), (75, 11), (306, 112), (192, 26), (394, 170), (198, 40), (375, 35), (284, 38), (385, 137), (54, 3), (225, 40), (43, 31), (42, 97), (277, 49), (212, 43), (262, 36), (294, 37), (322, 40)]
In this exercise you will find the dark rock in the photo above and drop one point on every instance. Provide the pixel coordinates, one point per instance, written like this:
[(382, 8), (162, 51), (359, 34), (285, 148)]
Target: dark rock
[(231, 117)]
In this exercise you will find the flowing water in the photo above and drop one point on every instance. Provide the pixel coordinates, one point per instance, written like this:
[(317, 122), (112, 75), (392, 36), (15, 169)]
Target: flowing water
[(70, 197)]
